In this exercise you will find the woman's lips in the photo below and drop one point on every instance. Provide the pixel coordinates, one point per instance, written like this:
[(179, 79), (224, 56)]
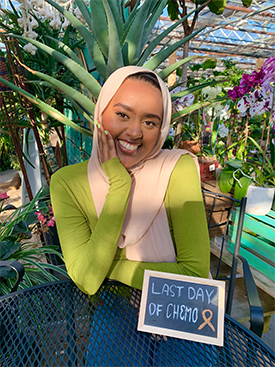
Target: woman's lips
[(127, 147)]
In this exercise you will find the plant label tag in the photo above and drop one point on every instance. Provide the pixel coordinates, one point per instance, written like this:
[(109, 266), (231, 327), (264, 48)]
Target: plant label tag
[(212, 167)]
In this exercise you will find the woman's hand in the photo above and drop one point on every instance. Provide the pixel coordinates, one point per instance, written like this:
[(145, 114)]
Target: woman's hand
[(106, 144)]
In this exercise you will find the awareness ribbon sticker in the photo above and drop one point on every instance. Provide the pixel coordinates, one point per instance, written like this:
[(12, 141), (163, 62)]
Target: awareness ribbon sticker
[(207, 320)]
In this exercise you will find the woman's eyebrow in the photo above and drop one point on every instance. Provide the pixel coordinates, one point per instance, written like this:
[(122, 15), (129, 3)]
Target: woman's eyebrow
[(130, 109)]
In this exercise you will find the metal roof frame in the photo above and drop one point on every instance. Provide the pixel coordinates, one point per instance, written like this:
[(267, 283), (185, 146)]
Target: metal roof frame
[(241, 34)]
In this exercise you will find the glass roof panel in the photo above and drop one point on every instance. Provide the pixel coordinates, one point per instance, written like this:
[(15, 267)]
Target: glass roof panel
[(241, 34)]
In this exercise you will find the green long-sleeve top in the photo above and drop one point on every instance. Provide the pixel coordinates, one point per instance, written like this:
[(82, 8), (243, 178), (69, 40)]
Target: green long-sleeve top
[(90, 244)]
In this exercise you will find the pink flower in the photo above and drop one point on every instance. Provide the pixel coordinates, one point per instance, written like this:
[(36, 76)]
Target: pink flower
[(4, 195), (40, 217), (51, 222)]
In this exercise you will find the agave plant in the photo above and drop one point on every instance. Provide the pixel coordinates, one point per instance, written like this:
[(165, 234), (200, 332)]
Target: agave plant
[(15, 234), (113, 40)]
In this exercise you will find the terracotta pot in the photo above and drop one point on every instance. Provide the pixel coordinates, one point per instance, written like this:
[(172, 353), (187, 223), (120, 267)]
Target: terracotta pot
[(191, 145)]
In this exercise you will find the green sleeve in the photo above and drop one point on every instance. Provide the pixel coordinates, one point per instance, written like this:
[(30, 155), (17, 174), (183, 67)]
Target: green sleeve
[(89, 243), (188, 227)]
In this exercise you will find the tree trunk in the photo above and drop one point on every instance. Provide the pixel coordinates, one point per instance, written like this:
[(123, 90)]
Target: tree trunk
[(184, 66)]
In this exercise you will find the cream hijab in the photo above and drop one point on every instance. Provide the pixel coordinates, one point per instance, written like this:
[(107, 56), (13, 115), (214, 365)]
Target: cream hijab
[(145, 232)]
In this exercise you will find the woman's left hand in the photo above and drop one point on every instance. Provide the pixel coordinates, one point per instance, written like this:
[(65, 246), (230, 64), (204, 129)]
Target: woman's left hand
[(106, 144)]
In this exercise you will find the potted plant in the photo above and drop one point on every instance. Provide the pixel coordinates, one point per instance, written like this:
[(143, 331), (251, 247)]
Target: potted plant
[(18, 242), (251, 167), (48, 229)]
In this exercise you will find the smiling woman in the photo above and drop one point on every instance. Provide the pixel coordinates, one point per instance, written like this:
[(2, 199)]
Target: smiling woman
[(132, 206), (133, 118)]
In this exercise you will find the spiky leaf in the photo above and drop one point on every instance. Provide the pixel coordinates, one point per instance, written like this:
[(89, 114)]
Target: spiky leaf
[(156, 60), (115, 59), (83, 76), (47, 108), (99, 26), (92, 45), (86, 103)]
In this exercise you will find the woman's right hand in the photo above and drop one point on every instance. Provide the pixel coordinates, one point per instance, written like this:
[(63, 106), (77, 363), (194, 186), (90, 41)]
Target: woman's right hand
[(106, 144)]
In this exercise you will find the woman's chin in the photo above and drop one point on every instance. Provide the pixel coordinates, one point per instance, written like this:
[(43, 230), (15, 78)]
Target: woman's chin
[(128, 161)]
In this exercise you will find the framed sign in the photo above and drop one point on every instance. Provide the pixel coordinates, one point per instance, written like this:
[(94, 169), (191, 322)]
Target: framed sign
[(183, 307)]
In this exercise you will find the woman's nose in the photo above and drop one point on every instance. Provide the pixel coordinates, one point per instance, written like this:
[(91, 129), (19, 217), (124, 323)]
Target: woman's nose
[(134, 129)]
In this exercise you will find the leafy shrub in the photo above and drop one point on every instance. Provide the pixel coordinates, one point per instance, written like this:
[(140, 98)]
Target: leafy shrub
[(15, 234), (8, 158)]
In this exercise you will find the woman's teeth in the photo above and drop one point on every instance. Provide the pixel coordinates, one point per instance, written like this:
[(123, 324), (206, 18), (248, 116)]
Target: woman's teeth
[(128, 145)]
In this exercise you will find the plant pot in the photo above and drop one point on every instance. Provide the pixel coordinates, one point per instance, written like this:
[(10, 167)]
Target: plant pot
[(259, 199), (190, 145), (208, 168)]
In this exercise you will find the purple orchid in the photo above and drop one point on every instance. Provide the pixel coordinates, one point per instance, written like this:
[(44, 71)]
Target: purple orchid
[(255, 91)]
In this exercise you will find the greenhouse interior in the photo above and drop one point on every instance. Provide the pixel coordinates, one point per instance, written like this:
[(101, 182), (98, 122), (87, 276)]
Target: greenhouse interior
[(94, 95)]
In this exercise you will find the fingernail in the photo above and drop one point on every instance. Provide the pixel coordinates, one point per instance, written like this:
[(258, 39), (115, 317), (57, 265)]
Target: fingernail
[(106, 132), (98, 125)]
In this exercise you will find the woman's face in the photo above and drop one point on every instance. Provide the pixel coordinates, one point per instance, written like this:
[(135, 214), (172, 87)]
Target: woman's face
[(133, 117)]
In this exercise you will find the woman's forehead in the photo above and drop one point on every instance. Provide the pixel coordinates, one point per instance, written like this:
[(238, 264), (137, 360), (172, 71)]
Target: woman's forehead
[(138, 93)]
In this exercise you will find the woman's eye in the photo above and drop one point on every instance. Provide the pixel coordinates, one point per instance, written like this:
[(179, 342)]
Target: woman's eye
[(150, 123), (121, 114)]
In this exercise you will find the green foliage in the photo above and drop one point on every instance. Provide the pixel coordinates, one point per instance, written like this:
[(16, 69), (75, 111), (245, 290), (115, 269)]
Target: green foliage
[(235, 175), (8, 157), (112, 40), (15, 234), (57, 40), (263, 165), (231, 73), (241, 187), (173, 10), (248, 166), (215, 6), (214, 109), (247, 3), (207, 64)]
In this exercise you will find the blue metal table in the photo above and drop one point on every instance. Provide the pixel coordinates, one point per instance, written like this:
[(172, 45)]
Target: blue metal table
[(57, 325)]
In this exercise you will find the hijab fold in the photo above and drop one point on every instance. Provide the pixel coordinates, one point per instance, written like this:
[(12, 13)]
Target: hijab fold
[(145, 232)]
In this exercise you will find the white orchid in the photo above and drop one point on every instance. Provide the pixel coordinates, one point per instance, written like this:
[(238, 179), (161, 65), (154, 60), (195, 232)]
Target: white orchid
[(243, 105), (20, 22), (43, 11), (33, 23), (30, 48), (65, 23), (30, 34), (180, 103), (222, 130), (212, 92), (55, 23)]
